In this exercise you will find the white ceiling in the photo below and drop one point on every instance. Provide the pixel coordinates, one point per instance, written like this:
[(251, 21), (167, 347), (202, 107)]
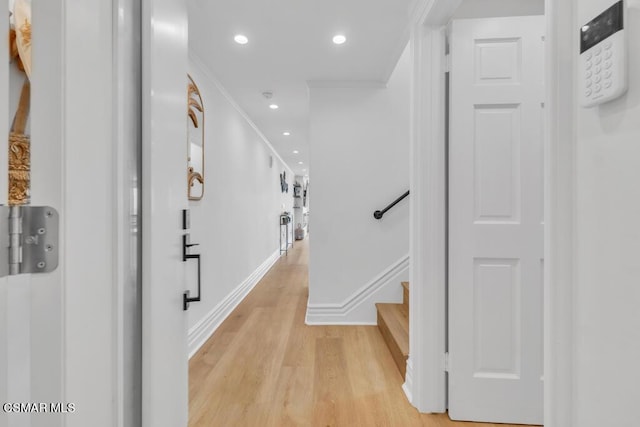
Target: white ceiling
[(289, 46), (497, 8)]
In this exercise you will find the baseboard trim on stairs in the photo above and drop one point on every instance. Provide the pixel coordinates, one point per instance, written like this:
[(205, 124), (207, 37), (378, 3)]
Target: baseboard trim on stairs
[(203, 330), (407, 387), (359, 308)]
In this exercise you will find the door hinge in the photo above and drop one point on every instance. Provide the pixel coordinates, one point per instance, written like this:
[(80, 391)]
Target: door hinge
[(446, 362), (447, 63), (30, 244)]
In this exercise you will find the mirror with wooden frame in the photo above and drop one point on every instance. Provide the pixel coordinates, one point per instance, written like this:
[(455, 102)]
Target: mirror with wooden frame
[(195, 142), (19, 97)]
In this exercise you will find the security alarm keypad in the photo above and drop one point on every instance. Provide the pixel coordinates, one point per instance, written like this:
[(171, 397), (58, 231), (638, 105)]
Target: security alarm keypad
[(603, 57)]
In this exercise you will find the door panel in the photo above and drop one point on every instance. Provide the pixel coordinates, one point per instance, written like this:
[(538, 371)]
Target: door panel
[(496, 233), (164, 159), (31, 328), (56, 328), (48, 291)]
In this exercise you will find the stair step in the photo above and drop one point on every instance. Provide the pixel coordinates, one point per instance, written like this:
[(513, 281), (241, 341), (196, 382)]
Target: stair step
[(405, 294), (393, 322)]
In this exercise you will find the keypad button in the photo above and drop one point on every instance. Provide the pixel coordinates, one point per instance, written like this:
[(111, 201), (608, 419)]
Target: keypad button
[(589, 83), (607, 64), (588, 56), (607, 54), (607, 74), (597, 88), (588, 92), (598, 60), (598, 50), (598, 69), (588, 74), (589, 65), (598, 79), (607, 45), (607, 84)]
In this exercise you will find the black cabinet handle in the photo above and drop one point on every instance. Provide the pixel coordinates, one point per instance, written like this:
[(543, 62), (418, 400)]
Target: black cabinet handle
[(186, 299)]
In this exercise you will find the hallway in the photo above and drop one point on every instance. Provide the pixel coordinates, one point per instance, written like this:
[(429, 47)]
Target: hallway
[(265, 367)]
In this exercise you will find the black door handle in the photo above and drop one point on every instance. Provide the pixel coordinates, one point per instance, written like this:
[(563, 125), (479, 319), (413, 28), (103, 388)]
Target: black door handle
[(186, 299)]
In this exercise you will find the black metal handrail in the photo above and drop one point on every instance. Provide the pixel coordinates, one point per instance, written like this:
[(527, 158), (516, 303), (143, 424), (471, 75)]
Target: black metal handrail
[(380, 214)]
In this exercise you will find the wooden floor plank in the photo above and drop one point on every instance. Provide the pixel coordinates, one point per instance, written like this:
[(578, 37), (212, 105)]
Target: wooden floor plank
[(265, 367)]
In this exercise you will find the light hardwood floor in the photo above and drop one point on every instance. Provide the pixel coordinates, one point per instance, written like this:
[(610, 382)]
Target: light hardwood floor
[(265, 367)]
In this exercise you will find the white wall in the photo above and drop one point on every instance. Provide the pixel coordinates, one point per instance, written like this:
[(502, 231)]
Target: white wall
[(236, 223), (359, 158), (498, 8), (607, 295)]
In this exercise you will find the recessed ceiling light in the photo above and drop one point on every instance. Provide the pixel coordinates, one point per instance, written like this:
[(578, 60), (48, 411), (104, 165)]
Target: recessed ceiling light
[(286, 133), (304, 170), (241, 39), (274, 106), (295, 151), (339, 39), (300, 163)]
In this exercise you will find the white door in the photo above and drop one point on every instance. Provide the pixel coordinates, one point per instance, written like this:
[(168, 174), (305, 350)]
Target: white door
[(164, 195), (64, 335), (31, 306), (58, 330), (496, 220)]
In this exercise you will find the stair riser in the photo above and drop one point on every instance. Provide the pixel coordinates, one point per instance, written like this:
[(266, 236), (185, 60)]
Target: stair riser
[(398, 357), (405, 297)]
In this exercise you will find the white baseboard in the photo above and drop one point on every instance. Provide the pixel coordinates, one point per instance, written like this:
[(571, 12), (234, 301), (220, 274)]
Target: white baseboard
[(359, 308), (202, 330), (341, 323), (407, 387)]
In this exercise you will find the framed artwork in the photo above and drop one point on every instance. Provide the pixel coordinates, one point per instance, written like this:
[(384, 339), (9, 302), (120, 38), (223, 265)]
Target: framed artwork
[(284, 187)]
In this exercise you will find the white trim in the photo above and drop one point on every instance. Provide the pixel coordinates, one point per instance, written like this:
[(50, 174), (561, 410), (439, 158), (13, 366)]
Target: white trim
[(560, 234), (427, 331), (358, 309), (346, 84), (209, 74), (436, 13), (418, 12), (407, 387), (202, 331), (339, 322), (87, 272)]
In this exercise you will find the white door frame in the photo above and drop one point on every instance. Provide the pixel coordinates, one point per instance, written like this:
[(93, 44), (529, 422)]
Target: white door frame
[(425, 385), (91, 202), (560, 217)]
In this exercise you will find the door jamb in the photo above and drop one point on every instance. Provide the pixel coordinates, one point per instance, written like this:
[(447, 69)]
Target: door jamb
[(425, 384), (560, 213), (426, 378)]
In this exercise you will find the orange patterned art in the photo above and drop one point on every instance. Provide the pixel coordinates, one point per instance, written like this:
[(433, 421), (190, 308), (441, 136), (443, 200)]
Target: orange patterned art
[(20, 153)]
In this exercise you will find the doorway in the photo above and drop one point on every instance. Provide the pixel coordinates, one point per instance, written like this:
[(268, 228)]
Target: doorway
[(495, 219), (435, 351)]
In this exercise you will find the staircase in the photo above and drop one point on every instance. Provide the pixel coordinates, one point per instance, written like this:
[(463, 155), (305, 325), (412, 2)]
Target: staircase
[(393, 322)]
